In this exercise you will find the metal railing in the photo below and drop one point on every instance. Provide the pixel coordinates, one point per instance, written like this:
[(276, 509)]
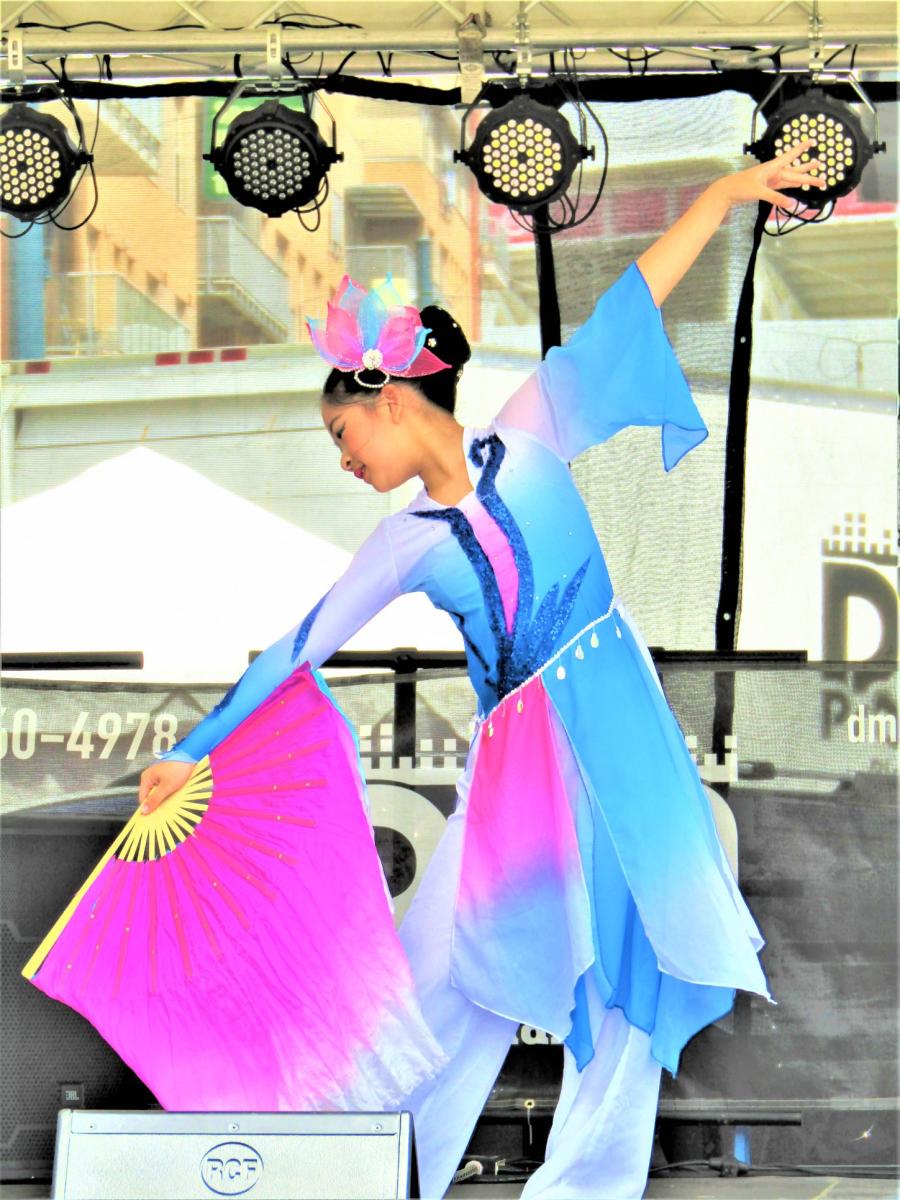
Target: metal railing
[(102, 313), (233, 265), (138, 123), (853, 354)]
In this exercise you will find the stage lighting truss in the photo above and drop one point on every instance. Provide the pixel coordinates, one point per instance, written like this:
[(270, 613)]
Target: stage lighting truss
[(524, 155), (274, 158), (39, 163), (842, 145)]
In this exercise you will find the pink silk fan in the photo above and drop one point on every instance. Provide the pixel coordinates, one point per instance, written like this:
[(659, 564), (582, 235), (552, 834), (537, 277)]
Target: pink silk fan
[(236, 946)]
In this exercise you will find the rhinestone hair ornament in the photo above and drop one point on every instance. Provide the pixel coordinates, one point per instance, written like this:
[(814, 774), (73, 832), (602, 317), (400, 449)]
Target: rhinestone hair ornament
[(373, 331)]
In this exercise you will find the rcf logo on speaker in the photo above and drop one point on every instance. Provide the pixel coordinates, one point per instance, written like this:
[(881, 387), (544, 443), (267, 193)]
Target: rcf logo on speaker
[(231, 1168)]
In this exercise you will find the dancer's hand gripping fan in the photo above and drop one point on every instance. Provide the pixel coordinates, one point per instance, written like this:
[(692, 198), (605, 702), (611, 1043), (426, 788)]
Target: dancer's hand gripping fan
[(236, 945)]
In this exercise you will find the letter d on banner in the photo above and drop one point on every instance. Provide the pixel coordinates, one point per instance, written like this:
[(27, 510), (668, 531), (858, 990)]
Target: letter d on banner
[(841, 582)]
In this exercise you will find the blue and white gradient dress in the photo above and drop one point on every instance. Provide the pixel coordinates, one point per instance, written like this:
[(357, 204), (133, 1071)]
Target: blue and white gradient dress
[(582, 872)]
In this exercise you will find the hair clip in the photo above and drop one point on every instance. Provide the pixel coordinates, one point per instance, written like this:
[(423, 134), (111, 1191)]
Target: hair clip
[(371, 361), (371, 331)]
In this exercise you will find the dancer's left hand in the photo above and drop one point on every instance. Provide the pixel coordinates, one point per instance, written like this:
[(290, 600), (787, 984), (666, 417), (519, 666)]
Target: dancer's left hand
[(763, 181), (162, 779)]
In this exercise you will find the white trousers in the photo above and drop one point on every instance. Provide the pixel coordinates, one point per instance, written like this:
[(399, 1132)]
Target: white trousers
[(602, 1133)]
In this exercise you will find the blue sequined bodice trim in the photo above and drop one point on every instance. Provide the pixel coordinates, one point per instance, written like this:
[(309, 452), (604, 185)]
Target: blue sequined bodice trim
[(533, 635)]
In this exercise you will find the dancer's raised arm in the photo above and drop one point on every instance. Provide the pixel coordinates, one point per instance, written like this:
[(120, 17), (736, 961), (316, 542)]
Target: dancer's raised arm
[(665, 263), (619, 369)]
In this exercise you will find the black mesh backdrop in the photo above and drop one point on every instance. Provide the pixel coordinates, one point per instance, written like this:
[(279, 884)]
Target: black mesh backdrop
[(662, 533), (813, 793)]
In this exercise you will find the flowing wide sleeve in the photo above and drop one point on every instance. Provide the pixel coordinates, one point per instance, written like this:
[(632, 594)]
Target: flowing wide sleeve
[(370, 582), (617, 369)]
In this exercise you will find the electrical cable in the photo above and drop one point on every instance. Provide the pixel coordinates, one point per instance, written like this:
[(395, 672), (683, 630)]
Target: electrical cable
[(605, 89), (840, 50), (783, 217), (519, 1165), (508, 67), (563, 212), (723, 1164), (314, 208), (682, 1165), (51, 217), (626, 57), (71, 107), (283, 20), (337, 70), (96, 119), (333, 22), (12, 237), (288, 65)]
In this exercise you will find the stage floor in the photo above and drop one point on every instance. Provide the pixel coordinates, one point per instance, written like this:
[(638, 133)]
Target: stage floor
[(698, 1188), (695, 1187)]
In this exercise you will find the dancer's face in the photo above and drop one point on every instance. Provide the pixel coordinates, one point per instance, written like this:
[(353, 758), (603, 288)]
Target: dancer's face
[(373, 436)]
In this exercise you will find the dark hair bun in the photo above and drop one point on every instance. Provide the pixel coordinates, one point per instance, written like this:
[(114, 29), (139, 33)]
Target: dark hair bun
[(445, 338)]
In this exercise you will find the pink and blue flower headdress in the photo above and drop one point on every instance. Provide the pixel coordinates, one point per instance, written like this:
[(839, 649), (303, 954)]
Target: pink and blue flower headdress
[(374, 331)]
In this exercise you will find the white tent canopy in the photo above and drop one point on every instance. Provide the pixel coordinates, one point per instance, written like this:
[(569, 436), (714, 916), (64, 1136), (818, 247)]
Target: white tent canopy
[(143, 553)]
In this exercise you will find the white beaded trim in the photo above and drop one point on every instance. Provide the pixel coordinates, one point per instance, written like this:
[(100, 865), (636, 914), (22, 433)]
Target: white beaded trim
[(549, 663)]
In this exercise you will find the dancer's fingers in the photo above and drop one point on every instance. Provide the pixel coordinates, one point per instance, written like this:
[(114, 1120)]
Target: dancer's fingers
[(803, 168), (149, 779), (153, 799), (796, 179), (794, 151)]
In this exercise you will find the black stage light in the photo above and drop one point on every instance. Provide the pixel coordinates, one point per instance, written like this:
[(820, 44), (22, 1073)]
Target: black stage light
[(274, 159), (523, 154), (841, 144), (38, 163)]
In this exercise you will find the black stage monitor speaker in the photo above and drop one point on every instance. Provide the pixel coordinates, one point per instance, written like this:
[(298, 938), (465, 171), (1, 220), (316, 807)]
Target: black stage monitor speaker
[(263, 1156)]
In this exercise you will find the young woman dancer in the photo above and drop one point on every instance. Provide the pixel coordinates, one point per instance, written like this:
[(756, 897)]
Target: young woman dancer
[(579, 886)]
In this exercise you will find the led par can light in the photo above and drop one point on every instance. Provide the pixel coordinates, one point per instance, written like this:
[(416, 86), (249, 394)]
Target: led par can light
[(274, 159), (523, 154), (38, 163), (840, 144)]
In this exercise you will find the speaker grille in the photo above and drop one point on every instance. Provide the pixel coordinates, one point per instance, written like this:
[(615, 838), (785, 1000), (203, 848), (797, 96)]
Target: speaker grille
[(46, 1044)]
